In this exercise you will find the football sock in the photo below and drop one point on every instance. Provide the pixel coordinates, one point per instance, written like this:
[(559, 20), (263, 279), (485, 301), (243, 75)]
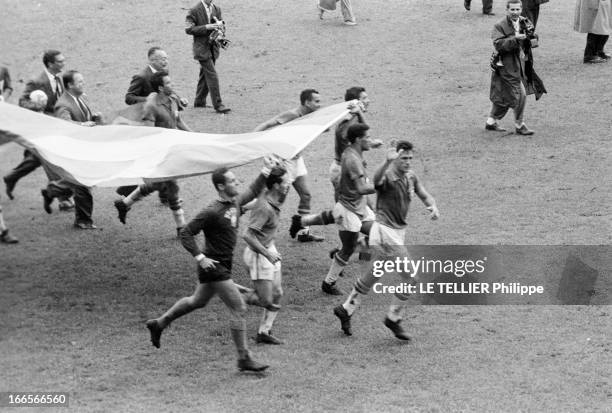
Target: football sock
[(238, 330), (267, 320), (2, 224), (179, 218), (132, 197), (395, 313), (334, 271), (352, 302)]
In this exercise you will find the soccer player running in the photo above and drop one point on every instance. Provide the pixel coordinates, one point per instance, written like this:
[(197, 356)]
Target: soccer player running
[(160, 110), (394, 182), (262, 257), (351, 213), (219, 222)]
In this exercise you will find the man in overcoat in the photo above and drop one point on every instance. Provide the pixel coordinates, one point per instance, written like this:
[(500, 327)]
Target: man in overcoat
[(513, 76)]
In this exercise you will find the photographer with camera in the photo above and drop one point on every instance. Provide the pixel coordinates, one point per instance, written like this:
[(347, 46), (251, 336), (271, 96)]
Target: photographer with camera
[(513, 77), (205, 24)]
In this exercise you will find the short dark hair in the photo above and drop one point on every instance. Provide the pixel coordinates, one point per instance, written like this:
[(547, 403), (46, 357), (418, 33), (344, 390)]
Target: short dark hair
[(68, 77), (306, 95), (152, 50), (355, 131), (49, 56), (403, 146), (353, 93), (275, 177), (157, 80), (218, 177), (509, 2)]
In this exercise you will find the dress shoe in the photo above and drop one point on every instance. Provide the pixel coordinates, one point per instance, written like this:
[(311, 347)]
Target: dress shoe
[(350, 23), (466, 4), (156, 332), (594, 59), (7, 238), (345, 319), (85, 225), (604, 55), (306, 236), (222, 109), (248, 364), (122, 210), (10, 185), (267, 338), (396, 328), (47, 200), (494, 127), (523, 130)]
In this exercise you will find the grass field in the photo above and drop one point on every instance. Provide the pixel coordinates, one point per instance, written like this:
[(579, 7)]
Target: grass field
[(73, 304)]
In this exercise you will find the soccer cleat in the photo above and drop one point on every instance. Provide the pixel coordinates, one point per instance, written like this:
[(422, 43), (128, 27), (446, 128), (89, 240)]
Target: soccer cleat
[(249, 364), (308, 237), (156, 332), (47, 200), (10, 186), (523, 130), (396, 328), (7, 238), (345, 319), (122, 210), (267, 338), (330, 288), (296, 225)]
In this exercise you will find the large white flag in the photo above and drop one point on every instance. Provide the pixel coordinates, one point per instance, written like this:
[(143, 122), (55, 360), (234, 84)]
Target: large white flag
[(113, 155)]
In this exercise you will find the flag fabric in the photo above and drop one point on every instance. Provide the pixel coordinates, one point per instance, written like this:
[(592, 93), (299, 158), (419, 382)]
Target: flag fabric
[(114, 155)]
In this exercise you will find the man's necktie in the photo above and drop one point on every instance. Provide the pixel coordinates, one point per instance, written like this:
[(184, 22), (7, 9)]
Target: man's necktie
[(84, 109), (58, 87)]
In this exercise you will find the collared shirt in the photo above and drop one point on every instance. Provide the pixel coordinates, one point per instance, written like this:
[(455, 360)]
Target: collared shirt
[(393, 198), (208, 10), (292, 114), (264, 221), (53, 81)]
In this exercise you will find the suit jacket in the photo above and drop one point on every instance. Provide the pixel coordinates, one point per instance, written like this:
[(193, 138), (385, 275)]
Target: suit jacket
[(140, 87), (40, 83), (66, 108), (203, 47)]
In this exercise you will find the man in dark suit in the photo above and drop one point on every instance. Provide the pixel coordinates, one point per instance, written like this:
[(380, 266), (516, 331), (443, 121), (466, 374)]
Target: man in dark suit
[(202, 21), (50, 82), (73, 106)]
